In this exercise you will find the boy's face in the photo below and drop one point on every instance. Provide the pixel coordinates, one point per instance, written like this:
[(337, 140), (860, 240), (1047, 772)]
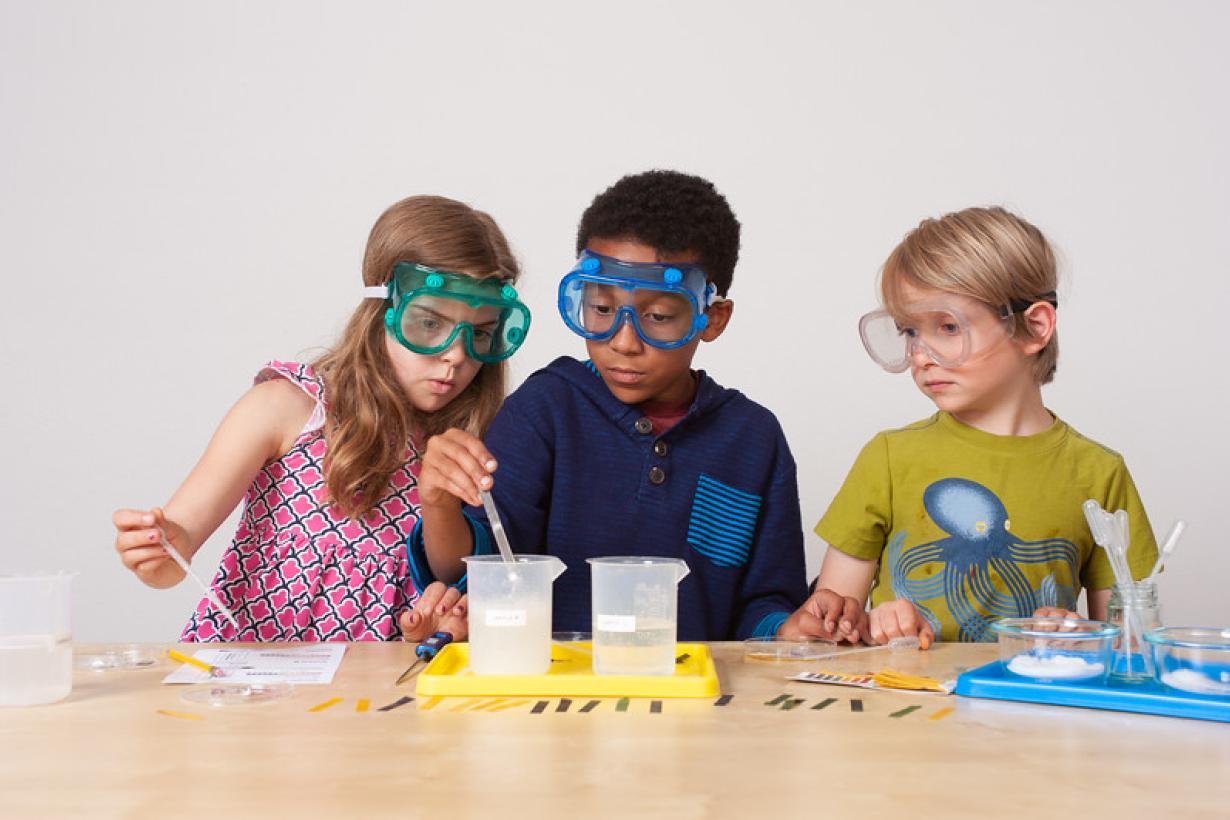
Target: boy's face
[(998, 371), (633, 371)]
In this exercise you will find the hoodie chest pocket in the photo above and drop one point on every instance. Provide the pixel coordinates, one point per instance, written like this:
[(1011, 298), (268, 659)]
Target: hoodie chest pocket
[(723, 522)]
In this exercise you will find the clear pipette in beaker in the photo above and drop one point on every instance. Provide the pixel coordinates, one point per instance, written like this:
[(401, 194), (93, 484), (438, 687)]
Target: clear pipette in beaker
[(497, 527)]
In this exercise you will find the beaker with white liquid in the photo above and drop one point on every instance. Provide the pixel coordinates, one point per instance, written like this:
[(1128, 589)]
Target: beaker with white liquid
[(510, 613)]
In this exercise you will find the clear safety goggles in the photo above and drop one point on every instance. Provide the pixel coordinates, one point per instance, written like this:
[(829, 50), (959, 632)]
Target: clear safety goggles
[(664, 303), (940, 331), (426, 303)]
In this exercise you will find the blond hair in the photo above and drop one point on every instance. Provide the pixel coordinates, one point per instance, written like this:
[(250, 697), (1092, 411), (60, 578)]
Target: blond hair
[(987, 254), (369, 421)]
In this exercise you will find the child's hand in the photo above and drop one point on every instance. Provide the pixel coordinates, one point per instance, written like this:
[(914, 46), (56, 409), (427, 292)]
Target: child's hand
[(897, 619), (1056, 612), (827, 615), (140, 549), (455, 465), (439, 609)]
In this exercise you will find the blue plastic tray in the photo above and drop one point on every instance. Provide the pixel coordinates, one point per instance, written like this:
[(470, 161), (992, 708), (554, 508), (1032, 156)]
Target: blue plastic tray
[(1150, 698)]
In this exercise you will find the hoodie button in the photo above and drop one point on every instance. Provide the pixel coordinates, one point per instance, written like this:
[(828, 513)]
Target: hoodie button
[(656, 475), (643, 426), (659, 448)]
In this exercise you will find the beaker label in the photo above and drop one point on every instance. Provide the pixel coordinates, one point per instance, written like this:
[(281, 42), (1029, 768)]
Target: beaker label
[(615, 623), (505, 617)]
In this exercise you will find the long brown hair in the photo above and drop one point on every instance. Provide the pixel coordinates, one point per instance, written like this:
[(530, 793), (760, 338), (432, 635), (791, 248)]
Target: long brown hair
[(369, 422), (988, 254)]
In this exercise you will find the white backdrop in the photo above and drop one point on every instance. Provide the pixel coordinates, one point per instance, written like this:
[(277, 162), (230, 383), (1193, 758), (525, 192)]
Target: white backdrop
[(186, 189)]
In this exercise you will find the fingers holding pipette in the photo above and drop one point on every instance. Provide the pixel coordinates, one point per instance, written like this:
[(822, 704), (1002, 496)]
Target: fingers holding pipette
[(138, 540), (899, 619), (456, 464)]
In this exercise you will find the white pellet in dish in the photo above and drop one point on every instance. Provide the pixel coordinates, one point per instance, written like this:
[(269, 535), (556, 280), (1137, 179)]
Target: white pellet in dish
[(1054, 667), (1189, 680)]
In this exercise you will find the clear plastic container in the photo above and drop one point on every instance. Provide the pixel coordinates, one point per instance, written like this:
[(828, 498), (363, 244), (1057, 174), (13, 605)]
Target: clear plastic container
[(786, 650), (36, 655), (1193, 659), (1136, 611), (635, 614), (127, 656), (510, 613), (1046, 650)]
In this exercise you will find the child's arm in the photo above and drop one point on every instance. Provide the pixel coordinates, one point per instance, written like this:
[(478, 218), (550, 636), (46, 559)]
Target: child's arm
[(521, 435), (775, 581), (456, 467), (847, 575), (262, 425), (837, 607)]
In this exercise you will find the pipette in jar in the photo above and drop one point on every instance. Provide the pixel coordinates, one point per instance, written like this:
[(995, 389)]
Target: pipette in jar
[(1171, 542)]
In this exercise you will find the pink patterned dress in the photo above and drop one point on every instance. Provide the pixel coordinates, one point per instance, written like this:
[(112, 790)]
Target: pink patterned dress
[(298, 569)]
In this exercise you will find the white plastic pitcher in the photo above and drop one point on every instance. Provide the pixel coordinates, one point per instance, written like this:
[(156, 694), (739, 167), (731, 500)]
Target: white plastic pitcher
[(36, 656), (510, 613), (635, 614)]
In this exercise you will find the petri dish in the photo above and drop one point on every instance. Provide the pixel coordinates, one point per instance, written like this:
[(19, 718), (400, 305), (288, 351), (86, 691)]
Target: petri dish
[(239, 694), (132, 656), (786, 650)]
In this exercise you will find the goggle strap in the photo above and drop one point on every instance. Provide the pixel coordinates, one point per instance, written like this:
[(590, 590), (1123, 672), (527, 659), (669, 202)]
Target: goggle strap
[(1021, 305), (376, 292)]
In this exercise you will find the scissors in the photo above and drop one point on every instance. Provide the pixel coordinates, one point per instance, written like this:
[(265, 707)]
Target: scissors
[(424, 653)]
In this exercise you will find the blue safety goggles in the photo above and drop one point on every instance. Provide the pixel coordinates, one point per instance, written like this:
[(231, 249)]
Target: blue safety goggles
[(666, 304)]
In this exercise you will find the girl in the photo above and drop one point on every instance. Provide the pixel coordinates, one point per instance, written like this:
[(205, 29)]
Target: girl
[(326, 455)]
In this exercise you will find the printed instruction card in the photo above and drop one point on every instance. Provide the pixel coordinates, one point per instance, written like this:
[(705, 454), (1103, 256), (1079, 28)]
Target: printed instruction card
[(313, 663)]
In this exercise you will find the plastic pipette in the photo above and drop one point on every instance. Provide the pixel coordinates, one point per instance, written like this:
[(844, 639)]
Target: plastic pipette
[(497, 528), (1172, 541), (209, 593), (904, 642)]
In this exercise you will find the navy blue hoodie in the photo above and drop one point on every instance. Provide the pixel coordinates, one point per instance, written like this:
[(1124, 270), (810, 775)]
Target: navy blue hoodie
[(581, 475)]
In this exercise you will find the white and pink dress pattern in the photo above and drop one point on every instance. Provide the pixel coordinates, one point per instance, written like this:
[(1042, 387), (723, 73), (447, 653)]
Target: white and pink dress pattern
[(300, 570)]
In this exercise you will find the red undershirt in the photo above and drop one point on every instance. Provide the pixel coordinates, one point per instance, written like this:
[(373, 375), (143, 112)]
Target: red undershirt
[(665, 416)]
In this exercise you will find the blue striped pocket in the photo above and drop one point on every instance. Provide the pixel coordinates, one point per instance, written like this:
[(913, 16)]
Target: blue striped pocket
[(723, 522)]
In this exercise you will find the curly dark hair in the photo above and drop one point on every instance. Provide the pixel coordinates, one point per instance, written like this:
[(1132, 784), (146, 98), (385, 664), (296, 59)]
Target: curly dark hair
[(670, 212)]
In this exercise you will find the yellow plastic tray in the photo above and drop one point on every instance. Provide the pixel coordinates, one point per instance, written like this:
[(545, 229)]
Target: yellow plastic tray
[(571, 675)]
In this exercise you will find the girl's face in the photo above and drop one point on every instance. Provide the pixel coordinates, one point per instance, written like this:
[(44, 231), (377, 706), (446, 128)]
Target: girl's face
[(432, 381), (996, 373)]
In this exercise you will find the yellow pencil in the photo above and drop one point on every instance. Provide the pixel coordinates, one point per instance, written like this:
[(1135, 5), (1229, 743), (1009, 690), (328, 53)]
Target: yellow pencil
[(214, 672)]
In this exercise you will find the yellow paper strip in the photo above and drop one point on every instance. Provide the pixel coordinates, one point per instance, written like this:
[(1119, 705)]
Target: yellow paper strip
[(320, 707), (943, 713), (362, 705), (181, 715)]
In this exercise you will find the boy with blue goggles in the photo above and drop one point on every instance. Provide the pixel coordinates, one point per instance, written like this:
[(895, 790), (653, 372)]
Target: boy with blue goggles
[(664, 303), (423, 315)]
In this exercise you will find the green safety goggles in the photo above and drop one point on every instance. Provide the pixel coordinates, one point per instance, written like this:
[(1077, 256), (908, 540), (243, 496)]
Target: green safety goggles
[(430, 308)]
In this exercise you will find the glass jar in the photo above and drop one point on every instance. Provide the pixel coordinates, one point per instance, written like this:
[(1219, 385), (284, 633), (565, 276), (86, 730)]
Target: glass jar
[(1135, 610)]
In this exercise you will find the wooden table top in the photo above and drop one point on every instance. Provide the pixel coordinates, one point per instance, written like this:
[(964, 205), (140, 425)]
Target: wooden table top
[(123, 744)]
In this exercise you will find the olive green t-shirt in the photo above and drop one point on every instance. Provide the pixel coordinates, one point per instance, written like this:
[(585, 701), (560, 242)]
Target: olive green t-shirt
[(972, 526)]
